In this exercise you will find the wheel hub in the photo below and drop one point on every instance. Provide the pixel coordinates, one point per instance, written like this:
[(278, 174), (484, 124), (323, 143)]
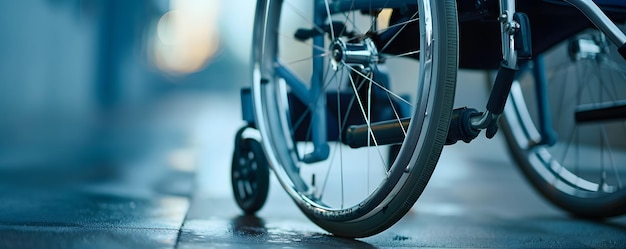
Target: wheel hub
[(362, 54)]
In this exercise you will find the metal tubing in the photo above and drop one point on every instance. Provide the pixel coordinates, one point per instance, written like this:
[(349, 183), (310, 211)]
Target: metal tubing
[(548, 135), (598, 18), (483, 121), (507, 28)]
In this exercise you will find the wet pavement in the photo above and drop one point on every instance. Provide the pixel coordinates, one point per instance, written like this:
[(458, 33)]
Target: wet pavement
[(175, 192), (474, 200)]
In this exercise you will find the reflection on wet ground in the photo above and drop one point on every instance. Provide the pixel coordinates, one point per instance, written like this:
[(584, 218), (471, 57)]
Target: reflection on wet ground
[(253, 232)]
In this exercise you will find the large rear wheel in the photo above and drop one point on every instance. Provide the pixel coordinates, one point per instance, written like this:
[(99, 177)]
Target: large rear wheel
[(353, 101), (572, 148)]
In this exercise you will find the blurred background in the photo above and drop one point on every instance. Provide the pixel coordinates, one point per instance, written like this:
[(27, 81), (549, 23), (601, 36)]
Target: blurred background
[(88, 87)]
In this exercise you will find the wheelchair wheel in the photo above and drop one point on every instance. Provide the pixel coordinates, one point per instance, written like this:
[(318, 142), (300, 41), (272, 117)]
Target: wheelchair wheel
[(249, 174), (335, 85), (578, 161)]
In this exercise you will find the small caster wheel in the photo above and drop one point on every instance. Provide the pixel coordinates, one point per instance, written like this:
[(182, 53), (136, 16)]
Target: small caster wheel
[(249, 174)]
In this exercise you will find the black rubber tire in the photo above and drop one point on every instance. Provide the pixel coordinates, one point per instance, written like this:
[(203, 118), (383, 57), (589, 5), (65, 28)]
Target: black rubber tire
[(249, 176), (445, 24)]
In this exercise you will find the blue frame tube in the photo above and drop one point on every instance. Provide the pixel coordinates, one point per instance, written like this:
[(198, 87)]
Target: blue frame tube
[(298, 88), (318, 97), (548, 136)]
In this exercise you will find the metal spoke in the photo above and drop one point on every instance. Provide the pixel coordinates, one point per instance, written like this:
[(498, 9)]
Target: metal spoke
[(367, 118), (306, 59), (289, 37), (401, 55), (302, 117), (611, 158), (348, 20), (398, 24), (395, 113), (397, 33), (303, 16), (328, 15), (381, 86), (338, 146)]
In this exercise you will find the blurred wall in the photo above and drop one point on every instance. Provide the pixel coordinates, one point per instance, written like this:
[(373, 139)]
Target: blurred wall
[(70, 68), (47, 56)]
